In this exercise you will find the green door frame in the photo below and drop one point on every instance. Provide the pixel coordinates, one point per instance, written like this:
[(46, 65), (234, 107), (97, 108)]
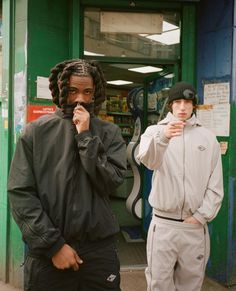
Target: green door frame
[(188, 49), (6, 132)]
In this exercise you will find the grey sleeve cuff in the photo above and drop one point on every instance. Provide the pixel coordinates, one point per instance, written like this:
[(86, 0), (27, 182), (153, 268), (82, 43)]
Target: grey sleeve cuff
[(163, 139), (199, 217), (82, 135)]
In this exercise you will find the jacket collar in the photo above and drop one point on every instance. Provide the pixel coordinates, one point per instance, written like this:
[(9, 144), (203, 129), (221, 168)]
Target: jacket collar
[(193, 121), (58, 112)]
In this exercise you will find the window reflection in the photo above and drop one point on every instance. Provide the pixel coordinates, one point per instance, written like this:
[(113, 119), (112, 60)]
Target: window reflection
[(161, 46)]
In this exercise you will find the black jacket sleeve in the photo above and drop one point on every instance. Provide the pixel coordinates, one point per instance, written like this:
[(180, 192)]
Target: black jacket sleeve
[(37, 229), (103, 160)]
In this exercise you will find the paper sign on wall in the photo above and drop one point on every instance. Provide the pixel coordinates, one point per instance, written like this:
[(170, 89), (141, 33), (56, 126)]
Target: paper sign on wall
[(43, 91), (215, 118), (214, 114), (216, 93)]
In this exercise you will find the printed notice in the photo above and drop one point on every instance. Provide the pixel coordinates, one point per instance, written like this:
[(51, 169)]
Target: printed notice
[(215, 118), (43, 91), (216, 93)]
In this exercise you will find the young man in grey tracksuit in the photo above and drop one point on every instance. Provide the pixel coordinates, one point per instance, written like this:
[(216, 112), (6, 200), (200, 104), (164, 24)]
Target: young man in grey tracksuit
[(187, 192)]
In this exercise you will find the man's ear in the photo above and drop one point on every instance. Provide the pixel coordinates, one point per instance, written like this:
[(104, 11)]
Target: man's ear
[(169, 106)]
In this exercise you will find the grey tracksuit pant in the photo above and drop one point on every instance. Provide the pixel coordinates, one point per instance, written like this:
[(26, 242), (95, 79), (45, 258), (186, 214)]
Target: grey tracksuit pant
[(177, 254)]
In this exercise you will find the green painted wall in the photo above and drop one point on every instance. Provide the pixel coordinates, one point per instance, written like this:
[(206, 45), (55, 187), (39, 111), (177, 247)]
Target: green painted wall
[(48, 39)]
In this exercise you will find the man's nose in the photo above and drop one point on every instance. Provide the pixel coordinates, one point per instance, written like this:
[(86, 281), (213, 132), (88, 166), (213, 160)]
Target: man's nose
[(79, 97), (182, 105)]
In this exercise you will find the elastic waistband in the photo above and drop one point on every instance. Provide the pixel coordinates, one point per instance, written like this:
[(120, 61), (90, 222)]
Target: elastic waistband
[(169, 218), (81, 246)]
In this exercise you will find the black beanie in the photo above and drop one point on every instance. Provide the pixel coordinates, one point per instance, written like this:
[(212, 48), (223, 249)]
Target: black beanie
[(182, 90)]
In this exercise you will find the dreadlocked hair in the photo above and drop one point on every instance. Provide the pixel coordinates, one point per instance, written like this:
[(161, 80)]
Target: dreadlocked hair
[(62, 73), (53, 80)]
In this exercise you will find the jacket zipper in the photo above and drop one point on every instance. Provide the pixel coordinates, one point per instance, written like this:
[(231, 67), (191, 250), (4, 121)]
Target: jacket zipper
[(183, 175)]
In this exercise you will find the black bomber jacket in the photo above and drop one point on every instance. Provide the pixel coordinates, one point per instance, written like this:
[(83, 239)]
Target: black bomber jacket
[(60, 181)]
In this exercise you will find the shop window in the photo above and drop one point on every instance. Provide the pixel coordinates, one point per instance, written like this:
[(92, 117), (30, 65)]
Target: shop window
[(164, 44)]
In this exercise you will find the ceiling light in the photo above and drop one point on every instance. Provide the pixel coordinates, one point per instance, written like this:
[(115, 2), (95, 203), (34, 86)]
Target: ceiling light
[(169, 76), (119, 82), (146, 69)]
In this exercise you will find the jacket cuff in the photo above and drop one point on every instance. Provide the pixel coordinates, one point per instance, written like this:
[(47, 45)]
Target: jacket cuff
[(200, 218), (82, 135), (163, 139), (55, 248)]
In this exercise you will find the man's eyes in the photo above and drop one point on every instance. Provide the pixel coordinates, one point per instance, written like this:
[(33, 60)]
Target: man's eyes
[(88, 92), (72, 91)]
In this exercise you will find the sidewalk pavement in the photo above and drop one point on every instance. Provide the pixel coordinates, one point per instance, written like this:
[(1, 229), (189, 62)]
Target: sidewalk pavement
[(7, 287), (134, 280)]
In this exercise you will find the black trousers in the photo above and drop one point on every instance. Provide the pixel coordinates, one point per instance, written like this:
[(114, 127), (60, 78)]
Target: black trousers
[(100, 271)]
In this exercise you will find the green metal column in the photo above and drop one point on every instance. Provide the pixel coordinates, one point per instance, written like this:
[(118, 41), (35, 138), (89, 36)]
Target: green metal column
[(76, 30), (5, 134), (188, 50), (17, 117)]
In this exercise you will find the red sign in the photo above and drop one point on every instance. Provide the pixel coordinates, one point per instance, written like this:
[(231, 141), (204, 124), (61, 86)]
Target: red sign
[(35, 111)]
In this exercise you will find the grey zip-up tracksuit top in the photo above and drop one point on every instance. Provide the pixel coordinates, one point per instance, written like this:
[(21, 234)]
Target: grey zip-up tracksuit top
[(60, 182), (187, 178)]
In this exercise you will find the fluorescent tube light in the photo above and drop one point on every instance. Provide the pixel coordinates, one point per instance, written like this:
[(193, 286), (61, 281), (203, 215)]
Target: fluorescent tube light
[(146, 69), (169, 76), (119, 82)]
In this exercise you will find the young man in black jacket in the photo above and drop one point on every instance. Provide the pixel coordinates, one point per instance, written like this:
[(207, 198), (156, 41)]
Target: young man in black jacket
[(64, 169)]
